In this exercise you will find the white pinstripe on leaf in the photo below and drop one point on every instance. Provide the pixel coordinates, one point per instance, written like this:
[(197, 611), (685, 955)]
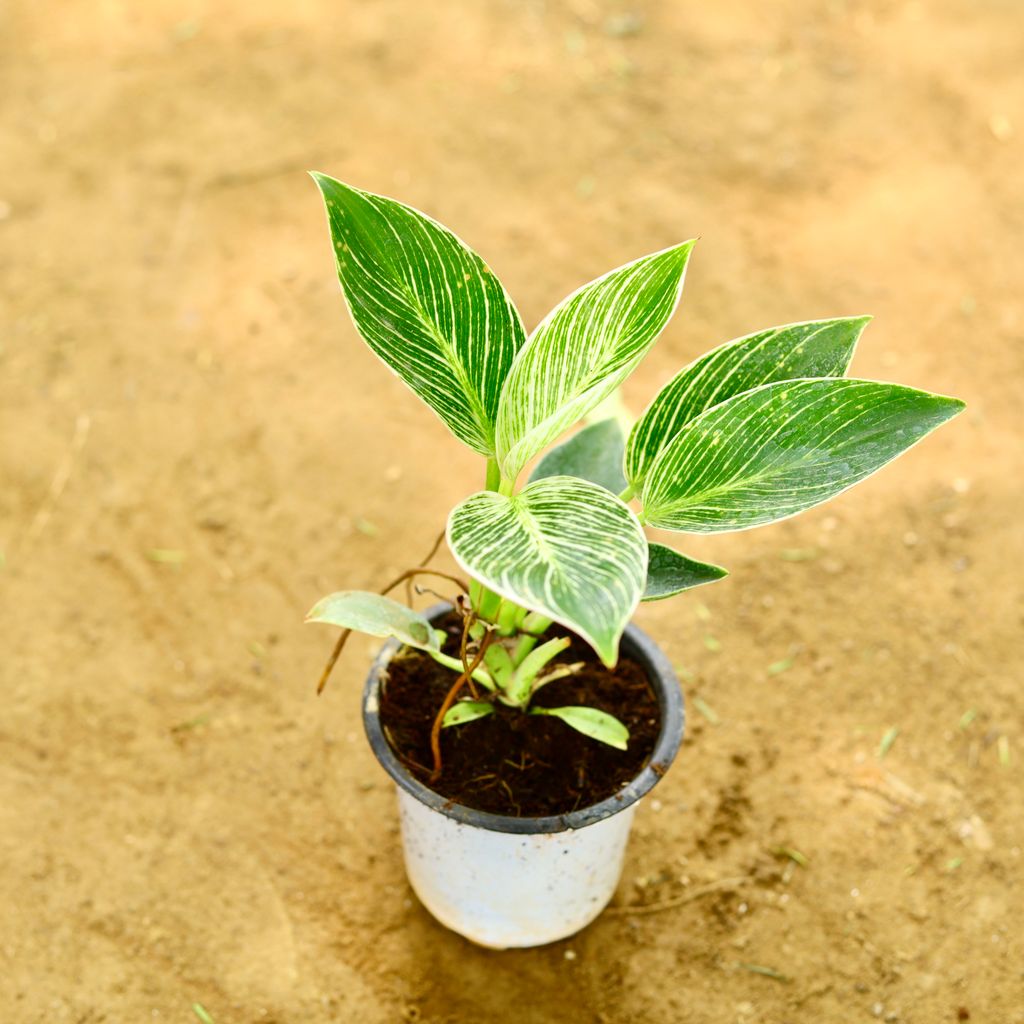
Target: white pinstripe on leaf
[(563, 547), (783, 448), (427, 305), (583, 350), (814, 348)]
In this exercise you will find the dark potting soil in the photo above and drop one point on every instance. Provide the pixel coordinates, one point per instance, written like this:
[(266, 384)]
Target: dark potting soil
[(510, 762)]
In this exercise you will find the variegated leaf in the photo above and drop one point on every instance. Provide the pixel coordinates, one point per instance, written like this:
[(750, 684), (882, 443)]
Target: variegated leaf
[(670, 573), (427, 305), (563, 547), (593, 453), (782, 448), (592, 722), (815, 348), (375, 615), (583, 350)]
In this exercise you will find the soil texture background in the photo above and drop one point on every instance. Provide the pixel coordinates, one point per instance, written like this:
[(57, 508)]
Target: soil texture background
[(195, 446)]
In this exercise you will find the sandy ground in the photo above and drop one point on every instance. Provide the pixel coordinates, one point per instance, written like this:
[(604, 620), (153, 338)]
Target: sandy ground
[(194, 446)]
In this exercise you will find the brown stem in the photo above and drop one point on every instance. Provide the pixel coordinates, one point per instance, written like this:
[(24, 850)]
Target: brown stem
[(449, 700), (408, 574), (424, 561)]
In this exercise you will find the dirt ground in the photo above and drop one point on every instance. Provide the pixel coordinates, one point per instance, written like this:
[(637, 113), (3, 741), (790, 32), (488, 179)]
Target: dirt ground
[(195, 446)]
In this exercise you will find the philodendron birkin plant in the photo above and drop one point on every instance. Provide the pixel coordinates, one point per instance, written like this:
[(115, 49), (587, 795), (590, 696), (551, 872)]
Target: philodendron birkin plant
[(755, 431)]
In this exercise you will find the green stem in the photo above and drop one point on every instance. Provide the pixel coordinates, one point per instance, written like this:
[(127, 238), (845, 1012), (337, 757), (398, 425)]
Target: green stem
[(493, 475), (484, 601), (536, 624), (628, 493), (507, 618)]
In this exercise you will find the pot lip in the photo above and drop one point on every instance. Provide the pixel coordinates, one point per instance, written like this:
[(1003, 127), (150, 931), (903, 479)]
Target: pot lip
[(635, 644)]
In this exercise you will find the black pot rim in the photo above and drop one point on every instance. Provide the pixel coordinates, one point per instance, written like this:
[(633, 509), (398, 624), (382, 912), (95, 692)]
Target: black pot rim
[(636, 645)]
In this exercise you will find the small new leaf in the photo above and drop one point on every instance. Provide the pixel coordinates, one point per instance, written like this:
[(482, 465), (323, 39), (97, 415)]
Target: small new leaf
[(467, 711), (815, 348), (376, 616), (427, 305), (670, 573), (583, 350), (593, 453), (562, 547), (598, 725), (783, 448)]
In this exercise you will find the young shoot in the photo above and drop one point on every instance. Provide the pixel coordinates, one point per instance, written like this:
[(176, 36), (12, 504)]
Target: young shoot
[(757, 430)]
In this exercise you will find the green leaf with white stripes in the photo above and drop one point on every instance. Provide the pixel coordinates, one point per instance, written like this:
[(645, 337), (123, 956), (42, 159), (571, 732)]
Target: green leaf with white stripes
[(377, 616), (583, 350), (598, 725), (814, 348), (563, 547), (670, 573), (467, 711), (782, 448), (593, 453), (427, 305)]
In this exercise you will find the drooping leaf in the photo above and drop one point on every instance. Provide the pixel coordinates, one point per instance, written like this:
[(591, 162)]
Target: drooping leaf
[(427, 305), (598, 725), (467, 711), (670, 573), (375, 615), (782, 448), (593, 453), (562, 547), (815, 348), (583, 350)]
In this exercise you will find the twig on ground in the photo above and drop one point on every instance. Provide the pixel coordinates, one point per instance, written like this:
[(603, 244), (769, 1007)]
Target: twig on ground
[(684, 898)]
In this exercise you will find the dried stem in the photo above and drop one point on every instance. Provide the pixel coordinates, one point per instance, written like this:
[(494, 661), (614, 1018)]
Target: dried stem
[(424, 562), (468, 668), (407, 575)]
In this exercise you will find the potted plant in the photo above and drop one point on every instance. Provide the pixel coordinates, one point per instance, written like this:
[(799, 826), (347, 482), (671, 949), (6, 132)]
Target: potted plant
[(524, 719)]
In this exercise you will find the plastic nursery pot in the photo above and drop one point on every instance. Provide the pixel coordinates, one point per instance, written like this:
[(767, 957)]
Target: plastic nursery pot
[(504, 881)]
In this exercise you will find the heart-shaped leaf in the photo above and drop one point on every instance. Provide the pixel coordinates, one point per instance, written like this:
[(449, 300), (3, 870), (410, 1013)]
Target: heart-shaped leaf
[(583, 350), (670, 573), (563, 547), (816, 348), (782, 448), (598, 725), (376, 616), (427, 305), (593, 453)]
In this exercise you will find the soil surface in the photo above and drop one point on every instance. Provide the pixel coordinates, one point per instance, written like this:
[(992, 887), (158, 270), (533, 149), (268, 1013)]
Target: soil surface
[(514, 763), (196, 447)]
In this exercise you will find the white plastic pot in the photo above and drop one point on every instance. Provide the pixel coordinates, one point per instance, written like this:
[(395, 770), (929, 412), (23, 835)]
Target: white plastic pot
[(504, 881)]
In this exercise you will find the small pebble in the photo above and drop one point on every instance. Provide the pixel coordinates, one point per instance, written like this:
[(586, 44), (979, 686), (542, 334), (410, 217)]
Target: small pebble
[(1000, 127), (877, 1010), (570, 954)]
